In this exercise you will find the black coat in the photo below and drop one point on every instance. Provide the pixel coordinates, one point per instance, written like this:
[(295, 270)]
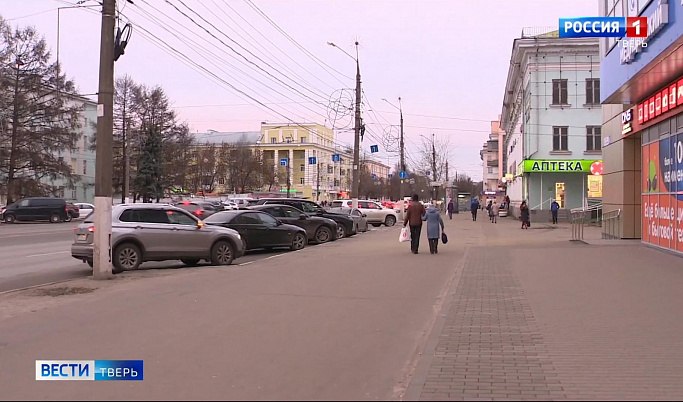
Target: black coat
[(525, 214)]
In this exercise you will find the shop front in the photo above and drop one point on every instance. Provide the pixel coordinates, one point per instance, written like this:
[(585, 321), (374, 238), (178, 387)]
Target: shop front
[(569, 182)]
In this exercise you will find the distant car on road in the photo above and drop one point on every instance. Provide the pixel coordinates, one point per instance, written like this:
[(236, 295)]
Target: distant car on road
[(376, 214), (345, 225), (84, 208), (200, 209), (158, 232), (230, 206), (260, 230), (359, 218), (318, 229), (73, 212), (37, 209)]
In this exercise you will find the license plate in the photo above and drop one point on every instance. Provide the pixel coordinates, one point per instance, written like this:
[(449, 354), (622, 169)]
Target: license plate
[(82, 237)]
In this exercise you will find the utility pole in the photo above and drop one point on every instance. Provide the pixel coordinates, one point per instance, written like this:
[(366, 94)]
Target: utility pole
[(403, 160), (434, 190), (288, 180), (447, 173), (14, 138), (356, 142), (104, 162), (317, 191)]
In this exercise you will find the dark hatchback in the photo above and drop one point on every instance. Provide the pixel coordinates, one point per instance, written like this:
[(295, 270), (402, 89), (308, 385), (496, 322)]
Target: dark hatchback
[(345, 225), (260, 230), (319, 230)]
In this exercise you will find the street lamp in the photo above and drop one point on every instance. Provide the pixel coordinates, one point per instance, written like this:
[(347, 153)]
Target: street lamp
[(356, 142), (403, 162), (78, 5)]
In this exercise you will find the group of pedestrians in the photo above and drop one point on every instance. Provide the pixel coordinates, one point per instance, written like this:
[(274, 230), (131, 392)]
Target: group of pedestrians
[(415, 215)]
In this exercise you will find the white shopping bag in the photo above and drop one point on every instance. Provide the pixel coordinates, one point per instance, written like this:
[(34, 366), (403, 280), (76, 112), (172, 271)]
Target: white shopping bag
[(404, 235)]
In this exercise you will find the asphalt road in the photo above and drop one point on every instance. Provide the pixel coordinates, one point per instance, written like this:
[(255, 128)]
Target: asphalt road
[(36, 253)]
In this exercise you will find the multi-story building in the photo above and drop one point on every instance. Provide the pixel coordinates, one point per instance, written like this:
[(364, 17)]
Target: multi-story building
[(328, 178), (552, 119), (642, 97), (492, 164), (81, 159), (378, 169)]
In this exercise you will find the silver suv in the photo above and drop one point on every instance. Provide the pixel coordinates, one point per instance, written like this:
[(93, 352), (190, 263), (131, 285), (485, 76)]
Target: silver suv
[(158, 232)]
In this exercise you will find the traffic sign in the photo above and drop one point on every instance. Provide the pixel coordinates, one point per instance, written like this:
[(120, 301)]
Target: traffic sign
[(374, 176), (374, 148), (311, 160), (436, 184), (412, 181), (402, 174), (336, 157), (283, 162), (391, 175)]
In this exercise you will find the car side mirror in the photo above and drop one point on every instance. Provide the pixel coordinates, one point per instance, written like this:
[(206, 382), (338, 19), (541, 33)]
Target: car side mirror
[(302, 216), (365, 215), (279, 222)]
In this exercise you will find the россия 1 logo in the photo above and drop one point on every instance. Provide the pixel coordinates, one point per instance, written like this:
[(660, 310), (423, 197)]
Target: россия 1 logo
[(90, 370), (603, 27)]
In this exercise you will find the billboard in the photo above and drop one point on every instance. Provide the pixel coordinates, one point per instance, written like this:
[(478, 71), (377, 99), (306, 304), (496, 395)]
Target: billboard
[(662, 191)]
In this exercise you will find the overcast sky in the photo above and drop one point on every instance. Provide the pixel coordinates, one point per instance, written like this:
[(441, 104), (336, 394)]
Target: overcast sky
[(443, 58)]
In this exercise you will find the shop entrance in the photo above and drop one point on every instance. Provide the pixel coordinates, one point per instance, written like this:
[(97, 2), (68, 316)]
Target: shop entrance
[(559, 194)]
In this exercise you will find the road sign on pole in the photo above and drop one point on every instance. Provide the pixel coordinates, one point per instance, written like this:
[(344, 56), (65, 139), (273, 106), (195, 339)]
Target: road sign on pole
[(412, 181), (283, 162), (402, 174), (311, 160), (374, 176), (374, 148), (336, 157)]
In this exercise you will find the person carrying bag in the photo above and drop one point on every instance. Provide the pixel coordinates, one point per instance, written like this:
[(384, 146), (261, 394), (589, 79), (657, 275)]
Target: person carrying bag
[(414, 215), (434, 221)]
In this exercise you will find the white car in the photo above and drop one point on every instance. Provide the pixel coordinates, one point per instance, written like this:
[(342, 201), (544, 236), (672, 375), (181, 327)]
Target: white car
[(241, 202), (84, 208), (376, 214), (230, 206)]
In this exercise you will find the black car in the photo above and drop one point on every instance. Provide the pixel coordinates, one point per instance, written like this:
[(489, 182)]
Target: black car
[(38, 209), (318, 229), (260, 230), (345, 225)]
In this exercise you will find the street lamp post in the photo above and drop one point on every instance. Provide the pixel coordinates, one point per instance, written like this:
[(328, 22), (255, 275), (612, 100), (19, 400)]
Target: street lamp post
[(403, 162), (356, 143), (79, 5)]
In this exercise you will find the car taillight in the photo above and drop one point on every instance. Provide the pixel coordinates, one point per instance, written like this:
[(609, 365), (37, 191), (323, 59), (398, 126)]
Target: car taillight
[(91, 229), (199, 212)]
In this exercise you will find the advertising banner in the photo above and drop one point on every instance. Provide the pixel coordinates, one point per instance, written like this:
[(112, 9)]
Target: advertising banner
[(663, 193)]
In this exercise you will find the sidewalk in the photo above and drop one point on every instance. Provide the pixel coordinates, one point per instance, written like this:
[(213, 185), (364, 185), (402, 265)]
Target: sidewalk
[(533, 316)]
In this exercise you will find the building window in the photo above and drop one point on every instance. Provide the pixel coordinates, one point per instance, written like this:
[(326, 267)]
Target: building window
[(289, 140), (560, 92), (85, 168), (303, 140), (301, 180), (273, 140), (490, 170), (74, 165), (303, 168), (221, 181), (593, 91), (73, 194), (560, 139), (593, 138), (330, 169)]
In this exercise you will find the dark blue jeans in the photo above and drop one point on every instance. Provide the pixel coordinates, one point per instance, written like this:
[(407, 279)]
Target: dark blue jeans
[(415, 232)]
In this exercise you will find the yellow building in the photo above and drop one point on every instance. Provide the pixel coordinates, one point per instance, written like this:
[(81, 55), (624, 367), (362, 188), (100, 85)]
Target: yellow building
[(297, 143)]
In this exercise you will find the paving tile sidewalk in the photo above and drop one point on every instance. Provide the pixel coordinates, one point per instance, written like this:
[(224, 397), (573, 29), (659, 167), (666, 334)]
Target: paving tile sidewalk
[(534, 316)]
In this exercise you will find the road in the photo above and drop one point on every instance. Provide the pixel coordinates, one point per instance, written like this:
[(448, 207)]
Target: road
[(36, 253)]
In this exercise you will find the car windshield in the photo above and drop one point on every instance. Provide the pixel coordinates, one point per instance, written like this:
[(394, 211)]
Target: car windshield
[(221, 217)]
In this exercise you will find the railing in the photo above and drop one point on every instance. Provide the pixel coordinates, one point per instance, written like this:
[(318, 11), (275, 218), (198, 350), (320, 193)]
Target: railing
[(610, 224), (579, 217)]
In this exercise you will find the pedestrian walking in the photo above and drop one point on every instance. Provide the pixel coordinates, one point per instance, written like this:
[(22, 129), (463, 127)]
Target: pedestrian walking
[(496, 209), (554, 207), (489, 209), (414, 214), (525, 215), (474, 207), (434, 221), (451, 207), (507, 203)]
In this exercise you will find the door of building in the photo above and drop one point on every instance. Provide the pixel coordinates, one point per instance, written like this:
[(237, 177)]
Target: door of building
[(560, 194)]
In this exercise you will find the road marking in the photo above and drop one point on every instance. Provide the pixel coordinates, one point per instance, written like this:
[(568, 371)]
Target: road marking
[(3, 236), (245, 263), (40, 255), (273, 256)]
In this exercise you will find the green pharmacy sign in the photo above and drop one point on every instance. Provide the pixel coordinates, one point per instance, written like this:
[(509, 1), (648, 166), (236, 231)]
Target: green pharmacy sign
[(558, 166)]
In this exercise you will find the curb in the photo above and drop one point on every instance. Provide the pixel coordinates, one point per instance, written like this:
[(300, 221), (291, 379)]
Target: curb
[(37, 286)]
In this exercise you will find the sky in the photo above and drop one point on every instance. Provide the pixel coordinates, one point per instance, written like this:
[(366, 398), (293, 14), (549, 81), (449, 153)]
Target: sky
[(228, 65)]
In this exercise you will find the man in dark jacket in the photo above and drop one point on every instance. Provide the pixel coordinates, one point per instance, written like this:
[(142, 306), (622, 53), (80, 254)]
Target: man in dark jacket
[(413, 217), (474, 207), (554, 207)]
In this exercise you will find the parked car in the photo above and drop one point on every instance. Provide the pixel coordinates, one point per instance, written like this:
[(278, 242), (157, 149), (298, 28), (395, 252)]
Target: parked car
[(260, 230), (230, 206), (318, 229), (345, 225), (84, 208), (243, 202), (73, 211), (200, 209), (37, 209), (376, 214), (359, 218), (2, 212), (158, 232)]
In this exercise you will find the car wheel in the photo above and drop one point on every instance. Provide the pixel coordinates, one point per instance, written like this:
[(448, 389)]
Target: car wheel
[(190, 262), (376, 225), (389, 221), (323, 235), (298, 242), (222, 253), (9, 218), (341, 231), (69, 218), (54, 218), (127, 257)]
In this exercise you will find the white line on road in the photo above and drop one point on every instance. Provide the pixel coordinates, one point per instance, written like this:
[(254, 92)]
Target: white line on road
[(273, 256), (40, 255), (245, 263)]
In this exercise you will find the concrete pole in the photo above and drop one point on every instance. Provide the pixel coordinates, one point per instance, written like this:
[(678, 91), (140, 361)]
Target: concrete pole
[(102, 268), (356, 142)]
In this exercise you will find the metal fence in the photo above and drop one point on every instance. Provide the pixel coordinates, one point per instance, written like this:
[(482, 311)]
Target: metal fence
[(610, 224), (580, 217)]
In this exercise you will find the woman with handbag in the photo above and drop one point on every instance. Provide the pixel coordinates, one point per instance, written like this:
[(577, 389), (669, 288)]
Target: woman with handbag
[(434, 221), (524, 209)]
